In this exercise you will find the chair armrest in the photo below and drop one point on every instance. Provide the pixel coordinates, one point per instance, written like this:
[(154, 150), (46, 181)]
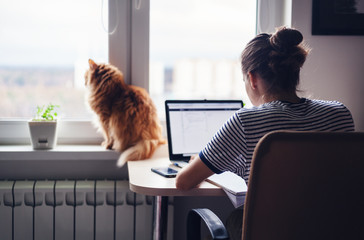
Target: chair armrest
[(213, 223)]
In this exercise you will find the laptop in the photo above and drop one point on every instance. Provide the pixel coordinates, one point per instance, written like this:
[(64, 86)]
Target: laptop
[(191, 124)]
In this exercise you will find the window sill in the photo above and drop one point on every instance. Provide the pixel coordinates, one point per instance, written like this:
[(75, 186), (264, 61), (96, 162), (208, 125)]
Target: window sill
[(73, 162), (77, 132), (60, 152)]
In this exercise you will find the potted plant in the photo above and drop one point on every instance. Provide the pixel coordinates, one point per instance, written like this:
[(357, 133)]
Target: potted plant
[(43, 127)]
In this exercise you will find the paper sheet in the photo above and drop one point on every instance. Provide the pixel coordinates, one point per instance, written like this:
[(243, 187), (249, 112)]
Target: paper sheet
[(233, 185), (237, 201)]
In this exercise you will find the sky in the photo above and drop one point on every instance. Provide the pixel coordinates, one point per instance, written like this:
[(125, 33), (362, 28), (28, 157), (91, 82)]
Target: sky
[(50, 32), (203, 28), (59, 33)]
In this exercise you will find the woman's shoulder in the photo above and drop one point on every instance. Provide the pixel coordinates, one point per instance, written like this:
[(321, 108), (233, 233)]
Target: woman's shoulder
[(265, 108), (257, 112), (282, 108), (325, 104)]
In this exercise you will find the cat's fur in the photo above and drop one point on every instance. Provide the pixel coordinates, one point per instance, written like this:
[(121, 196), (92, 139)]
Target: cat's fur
[(127, 116)]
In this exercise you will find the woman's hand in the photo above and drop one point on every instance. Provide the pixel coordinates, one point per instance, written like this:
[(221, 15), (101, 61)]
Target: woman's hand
[(193, 174)]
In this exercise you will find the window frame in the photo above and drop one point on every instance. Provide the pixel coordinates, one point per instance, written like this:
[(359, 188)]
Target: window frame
[(128, 50)]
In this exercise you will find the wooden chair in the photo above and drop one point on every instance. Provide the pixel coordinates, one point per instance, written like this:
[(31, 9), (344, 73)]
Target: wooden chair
[(304, 185)]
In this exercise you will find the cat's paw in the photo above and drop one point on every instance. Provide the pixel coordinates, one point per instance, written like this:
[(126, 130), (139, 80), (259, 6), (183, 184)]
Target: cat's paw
[(107, 144)]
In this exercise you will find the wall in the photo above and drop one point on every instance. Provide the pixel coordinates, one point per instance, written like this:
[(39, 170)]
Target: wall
[(334, 69)]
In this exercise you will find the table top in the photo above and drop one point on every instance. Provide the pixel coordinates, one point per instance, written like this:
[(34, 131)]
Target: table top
[(143, 181)]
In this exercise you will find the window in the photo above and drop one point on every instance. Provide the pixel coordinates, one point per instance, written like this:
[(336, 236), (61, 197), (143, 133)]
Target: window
[(195, 48), (44, 49), (45, 46)]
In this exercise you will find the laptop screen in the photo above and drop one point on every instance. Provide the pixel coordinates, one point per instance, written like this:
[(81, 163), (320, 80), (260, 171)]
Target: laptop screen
[(192, 123)]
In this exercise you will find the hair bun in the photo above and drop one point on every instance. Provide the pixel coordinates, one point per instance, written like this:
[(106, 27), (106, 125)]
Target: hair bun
[(285, 38)]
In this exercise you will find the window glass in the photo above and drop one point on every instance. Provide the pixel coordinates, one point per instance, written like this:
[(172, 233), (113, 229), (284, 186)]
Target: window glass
[(195, 48), (44, 52)]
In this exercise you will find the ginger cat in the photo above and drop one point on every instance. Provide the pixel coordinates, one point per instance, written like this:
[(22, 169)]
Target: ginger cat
[(127, 115)]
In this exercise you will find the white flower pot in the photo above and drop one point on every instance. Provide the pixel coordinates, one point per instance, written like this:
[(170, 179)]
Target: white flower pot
[(43, 134)]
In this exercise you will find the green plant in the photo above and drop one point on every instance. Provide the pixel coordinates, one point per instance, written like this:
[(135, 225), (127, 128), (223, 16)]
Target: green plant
[(46, 113)]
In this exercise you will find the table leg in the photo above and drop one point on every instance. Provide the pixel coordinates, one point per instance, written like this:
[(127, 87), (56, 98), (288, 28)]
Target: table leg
[(160, 217)]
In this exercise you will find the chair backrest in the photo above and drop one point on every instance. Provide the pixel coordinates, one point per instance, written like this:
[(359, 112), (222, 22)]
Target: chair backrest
[(306, 185)]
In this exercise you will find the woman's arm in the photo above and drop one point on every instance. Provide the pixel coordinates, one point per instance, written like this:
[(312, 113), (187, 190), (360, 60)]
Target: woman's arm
[(193, 174)]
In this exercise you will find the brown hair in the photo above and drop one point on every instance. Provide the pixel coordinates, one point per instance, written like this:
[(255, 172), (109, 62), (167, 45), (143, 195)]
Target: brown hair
[(277, 58)]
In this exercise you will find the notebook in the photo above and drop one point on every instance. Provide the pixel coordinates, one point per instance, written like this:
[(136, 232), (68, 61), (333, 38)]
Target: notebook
[(192, 123)]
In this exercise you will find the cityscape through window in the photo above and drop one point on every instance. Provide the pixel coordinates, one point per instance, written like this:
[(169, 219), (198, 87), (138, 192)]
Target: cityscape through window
[(44, 52), (195, 48)]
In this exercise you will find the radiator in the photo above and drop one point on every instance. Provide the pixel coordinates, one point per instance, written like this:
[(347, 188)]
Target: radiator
[(74, 210)]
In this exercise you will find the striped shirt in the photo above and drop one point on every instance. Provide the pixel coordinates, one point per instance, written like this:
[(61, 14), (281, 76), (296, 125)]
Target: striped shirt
[(232, 147)]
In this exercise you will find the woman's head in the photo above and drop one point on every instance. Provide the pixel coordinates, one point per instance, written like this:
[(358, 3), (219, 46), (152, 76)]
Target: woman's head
[(277, 58)]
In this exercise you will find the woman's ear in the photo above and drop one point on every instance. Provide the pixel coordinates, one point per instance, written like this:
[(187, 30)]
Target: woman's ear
[(253, 80)]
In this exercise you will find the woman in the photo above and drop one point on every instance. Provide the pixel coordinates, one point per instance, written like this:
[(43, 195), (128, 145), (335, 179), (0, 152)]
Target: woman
[(271, 66)]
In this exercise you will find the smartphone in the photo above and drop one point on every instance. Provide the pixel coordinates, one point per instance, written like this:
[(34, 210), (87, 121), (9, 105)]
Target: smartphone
[(165, 171)]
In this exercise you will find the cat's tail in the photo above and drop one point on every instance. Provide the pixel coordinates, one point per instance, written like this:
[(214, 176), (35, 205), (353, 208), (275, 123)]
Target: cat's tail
[(142, 150)]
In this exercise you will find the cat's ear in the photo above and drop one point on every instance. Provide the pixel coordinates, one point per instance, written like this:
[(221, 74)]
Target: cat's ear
[(92, 64)]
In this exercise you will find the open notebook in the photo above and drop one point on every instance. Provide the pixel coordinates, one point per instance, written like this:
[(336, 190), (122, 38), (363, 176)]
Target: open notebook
[(233, 185)]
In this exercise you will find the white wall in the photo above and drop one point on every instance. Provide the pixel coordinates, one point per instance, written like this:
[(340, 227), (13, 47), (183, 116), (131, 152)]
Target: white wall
[(334, 69)]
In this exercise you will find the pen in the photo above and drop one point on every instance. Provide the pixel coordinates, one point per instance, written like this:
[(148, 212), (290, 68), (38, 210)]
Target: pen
[(177, 165)]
